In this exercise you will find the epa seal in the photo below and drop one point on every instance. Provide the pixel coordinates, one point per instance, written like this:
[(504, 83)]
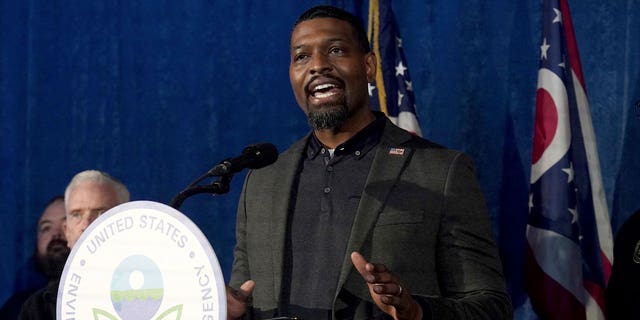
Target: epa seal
[(142, 260)]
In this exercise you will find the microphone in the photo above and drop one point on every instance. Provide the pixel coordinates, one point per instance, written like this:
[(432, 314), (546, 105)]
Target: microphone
[(255, 156)]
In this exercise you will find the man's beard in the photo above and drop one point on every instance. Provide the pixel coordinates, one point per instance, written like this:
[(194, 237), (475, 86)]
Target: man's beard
[(331, 118), (52, 263)]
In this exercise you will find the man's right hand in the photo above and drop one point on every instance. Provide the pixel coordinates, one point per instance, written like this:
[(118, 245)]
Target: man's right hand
[(237, 299)]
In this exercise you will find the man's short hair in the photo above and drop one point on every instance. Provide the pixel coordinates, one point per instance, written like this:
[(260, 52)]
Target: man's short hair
[(101, 178), (59, 197), (337, 13)]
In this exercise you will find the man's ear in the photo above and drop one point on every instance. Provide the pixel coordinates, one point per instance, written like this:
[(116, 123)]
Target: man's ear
[(370, 61), (64, 229)]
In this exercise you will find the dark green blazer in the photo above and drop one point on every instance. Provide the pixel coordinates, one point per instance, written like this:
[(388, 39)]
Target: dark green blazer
[(422, 214)]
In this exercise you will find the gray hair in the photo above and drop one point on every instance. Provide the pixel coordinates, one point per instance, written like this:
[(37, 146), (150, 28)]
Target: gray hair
[(101, 178)]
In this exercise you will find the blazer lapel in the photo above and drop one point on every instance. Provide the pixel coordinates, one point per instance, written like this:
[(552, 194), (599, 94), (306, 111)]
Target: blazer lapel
[(390, 159), (288, 164)]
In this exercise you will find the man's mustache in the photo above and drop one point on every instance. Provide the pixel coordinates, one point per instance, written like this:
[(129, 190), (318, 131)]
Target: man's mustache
[(55, 245), (307, 88)]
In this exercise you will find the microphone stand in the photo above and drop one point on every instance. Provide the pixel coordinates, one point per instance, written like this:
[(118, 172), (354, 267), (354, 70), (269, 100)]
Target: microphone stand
[(221, 186)]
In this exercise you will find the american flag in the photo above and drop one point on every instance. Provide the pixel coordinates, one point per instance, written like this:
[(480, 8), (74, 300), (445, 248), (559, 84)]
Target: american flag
[(569, 242), (392, 91)]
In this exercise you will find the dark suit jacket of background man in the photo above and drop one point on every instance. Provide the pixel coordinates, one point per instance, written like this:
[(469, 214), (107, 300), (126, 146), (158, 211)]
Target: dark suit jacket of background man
[(422, 214), (623, 291)]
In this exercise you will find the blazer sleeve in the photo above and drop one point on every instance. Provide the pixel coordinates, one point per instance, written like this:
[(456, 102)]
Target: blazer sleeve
[(240, 268), (468, 265)]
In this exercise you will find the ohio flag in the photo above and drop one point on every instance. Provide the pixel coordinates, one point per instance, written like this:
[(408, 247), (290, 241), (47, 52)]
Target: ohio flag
[(391, 92), (569, 242)]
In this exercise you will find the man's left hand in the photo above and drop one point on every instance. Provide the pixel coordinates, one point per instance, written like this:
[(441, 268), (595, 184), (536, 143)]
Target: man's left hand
[(386, 290)]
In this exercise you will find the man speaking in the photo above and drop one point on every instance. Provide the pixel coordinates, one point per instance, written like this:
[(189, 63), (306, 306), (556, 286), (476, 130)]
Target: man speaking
[(360, 219)]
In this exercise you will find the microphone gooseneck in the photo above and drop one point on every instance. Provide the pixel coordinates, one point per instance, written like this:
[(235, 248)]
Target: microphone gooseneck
[(255, 156)]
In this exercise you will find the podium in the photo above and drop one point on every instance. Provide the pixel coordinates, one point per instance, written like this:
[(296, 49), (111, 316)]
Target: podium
[(142, 260)]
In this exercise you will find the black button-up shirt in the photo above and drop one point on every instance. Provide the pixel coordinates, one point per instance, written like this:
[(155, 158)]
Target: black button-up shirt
[(326, 199)]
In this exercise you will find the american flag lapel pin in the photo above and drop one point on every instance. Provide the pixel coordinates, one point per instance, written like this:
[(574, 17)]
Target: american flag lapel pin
[(396, 151)]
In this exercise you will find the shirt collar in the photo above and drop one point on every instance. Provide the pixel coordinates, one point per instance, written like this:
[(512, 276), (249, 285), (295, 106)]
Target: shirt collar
[(359, 144)]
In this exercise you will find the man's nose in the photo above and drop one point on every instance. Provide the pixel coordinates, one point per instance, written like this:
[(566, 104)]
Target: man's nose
[(320, 64), (88, 219), (85, 223), (58, 232)]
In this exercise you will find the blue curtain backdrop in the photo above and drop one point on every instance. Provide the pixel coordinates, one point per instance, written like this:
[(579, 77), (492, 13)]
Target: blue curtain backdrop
[(156, 92)]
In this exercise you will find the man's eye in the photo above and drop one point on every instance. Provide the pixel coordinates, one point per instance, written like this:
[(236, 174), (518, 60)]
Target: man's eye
[(299, 57), (336, 50)]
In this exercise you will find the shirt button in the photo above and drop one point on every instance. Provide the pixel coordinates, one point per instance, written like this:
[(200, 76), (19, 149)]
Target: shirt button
[(323, 150), (330, 168), (358, 153), (327, 190)]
